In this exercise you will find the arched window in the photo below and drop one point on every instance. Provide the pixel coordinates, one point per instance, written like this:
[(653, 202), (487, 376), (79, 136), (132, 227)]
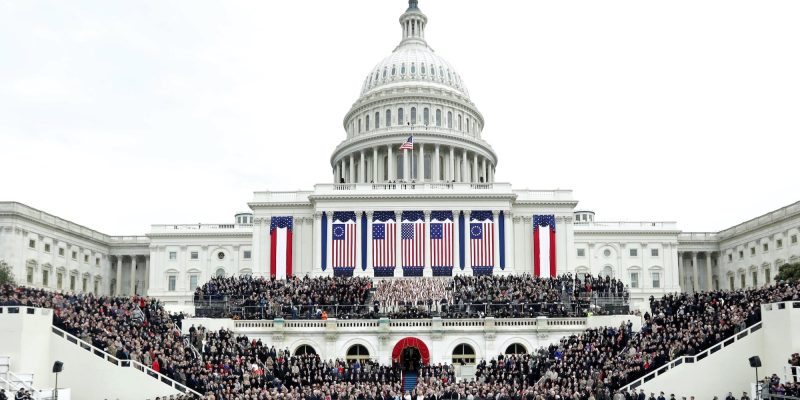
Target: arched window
[(220, 272), (459, 122), (388, 118), (450, 119), (423, 69), (377, 120), (366, 124), (403, 69), (413, 68), (400, 116), (304, 349), (357, 352), (467, 124), (516, 348), (607, 272), (385, 71), (433, 71), (438, 117), (463, 354), (359, 125), (426, 116), (394, 70), (413, 115)]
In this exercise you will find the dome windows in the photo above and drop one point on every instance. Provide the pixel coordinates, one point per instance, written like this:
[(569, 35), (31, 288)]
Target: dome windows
[(450, 119), (377, 120), (400, 116), (433, 71), (402, 69), (385, 71), (388, 118), (438, 117), (426, 116), (394, 70), (367, 124), (413, 115), (467, 124), (459, 122), (413, 69), (422, 67)]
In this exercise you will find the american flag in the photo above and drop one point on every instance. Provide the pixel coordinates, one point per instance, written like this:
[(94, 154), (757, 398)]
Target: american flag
[(383, 243), (409, 144), (442, 241), (344, 244), (481, 239), (413, 242)]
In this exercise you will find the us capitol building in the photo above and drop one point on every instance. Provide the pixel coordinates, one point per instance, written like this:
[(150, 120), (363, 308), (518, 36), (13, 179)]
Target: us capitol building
[(432, 208)]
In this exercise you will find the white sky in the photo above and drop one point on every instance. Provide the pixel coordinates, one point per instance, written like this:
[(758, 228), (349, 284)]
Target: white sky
[(121, 114)]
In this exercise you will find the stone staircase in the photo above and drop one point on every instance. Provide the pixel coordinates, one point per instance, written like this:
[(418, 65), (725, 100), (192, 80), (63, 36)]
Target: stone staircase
[(409, 381)]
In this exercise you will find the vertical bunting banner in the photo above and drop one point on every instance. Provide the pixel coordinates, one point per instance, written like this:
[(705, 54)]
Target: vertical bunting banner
[(344, 243), (481, 242), (544, 245), (384, 245), (461, 248), (442, 243), (502, 234), (412, 238), (324, 249), (363, 241), (280, 233)]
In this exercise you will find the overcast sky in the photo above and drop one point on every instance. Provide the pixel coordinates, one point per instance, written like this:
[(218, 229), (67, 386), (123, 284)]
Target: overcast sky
[(121, 114)]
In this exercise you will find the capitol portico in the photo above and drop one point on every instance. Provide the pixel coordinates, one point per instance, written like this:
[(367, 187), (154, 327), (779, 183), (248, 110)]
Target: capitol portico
[(357, 224)]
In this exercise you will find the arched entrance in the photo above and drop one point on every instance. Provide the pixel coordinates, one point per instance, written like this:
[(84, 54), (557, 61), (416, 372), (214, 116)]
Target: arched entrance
[(410, 353)]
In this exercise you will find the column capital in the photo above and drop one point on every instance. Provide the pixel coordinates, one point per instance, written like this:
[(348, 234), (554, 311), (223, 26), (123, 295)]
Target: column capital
[(369, 214), (427, 214), (495, 213)]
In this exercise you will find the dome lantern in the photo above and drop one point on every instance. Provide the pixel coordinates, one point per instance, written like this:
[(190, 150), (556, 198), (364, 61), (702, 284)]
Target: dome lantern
[(413, 22)]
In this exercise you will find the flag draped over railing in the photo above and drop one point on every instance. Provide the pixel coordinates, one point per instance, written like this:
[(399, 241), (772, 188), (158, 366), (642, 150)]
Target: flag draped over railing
[(280, 233), (544, 245)]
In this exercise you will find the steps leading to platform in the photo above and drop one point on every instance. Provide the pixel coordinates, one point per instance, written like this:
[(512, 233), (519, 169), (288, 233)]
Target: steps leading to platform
[(409, 381)]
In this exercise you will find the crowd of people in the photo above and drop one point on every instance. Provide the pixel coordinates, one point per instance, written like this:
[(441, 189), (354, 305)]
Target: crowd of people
[(249, 297), (596, 363), (791, 387), (511, 296)]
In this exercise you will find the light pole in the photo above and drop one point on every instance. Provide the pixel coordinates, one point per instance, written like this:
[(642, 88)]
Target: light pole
[(58, 366)]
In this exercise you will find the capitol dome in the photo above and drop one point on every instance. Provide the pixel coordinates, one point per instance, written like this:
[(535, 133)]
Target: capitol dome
[(413, 95)]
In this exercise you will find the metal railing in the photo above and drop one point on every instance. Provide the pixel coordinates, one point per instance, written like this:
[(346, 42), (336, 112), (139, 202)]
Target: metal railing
[(695, 358), (125, 363)]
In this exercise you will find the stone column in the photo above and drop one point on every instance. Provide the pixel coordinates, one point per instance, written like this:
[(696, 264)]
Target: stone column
[(398, 250), (456, 246), (118, 285), (390, 164), (297, 243), (133, 276), (509, 236), (426, 232), (436, 172), (337, 172), (375, 165), (421, 164), (491, 173), (475, 172), (369, 242), (695, 280), (406, 175), (680, 272), (329, 244), (709, 275), (146, 275), (464, 167), (362, 168), (316, 239), (352, 169), (484, 170), (451, 161), (467, 247)]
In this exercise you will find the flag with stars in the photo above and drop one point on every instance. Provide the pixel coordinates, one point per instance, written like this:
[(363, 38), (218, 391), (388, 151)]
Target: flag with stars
[(383, 239), (413, 239), (441, 239), (280, 239), (481, 242), (344, 240)]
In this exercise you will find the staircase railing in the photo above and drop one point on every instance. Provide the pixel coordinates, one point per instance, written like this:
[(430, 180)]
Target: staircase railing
[(125, 363), (695, 358)]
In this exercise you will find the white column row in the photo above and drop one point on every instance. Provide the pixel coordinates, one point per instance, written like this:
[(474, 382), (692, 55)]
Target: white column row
[(134, 265), (366, 166)]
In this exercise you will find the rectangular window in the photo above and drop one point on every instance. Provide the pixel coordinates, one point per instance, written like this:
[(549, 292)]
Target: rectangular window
[(84, 285), (741, 254), (96, 287), (194, 255), (247, 254), (59, 280), (743, 281), (654, 252), (731, 282), (193, 282), (716, 283), (86, 258), (32, 244), (171, 283), (752, 251), (794, 239), (45, 278), (61, 251), (72, 280), (730, 257), (29, 275), (767, 277), (656, 280), (634, 280), (766, 247), (779, 243), (634, 252), (97, 261), (74, 255), (755, 279), (47, 247), (173, 255), (581, 252)]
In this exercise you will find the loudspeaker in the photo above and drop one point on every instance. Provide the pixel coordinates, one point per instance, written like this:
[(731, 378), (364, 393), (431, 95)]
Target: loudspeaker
[(58, 366), (755, 361)]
